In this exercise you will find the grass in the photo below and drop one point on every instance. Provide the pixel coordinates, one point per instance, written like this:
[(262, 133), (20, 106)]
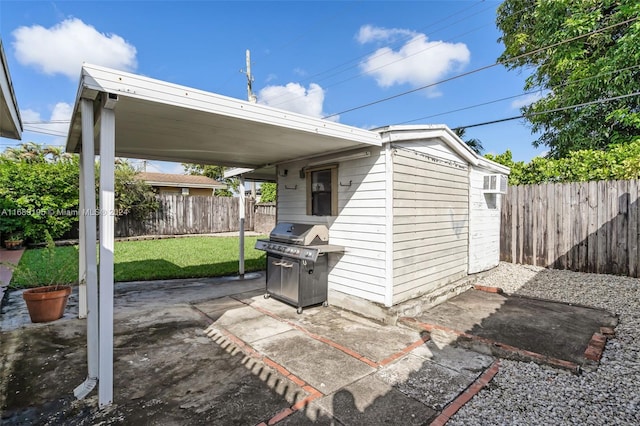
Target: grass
[(193, 257)]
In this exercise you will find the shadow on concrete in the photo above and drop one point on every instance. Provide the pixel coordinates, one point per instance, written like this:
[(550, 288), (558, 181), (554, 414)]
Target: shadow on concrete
[(326, 366)]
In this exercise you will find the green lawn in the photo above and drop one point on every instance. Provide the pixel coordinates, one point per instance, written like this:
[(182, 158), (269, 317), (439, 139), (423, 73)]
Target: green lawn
[(191, 257)]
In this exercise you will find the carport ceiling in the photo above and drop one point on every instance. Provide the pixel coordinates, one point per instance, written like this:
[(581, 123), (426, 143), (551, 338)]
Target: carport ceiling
[(162, 121)]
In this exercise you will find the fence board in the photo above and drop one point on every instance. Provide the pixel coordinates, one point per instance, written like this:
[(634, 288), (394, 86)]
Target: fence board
[(179, 215), (632, 236), (589, 227)]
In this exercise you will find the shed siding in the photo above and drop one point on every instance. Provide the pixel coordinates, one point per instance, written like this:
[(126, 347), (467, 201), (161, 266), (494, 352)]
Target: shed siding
[(484, 224), (359, 226), (431, 226)]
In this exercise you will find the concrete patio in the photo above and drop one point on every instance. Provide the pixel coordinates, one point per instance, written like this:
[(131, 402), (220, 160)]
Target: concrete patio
[(214, 351)]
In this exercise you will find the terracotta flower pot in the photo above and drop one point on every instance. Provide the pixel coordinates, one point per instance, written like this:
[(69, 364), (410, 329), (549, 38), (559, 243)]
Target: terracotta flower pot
[(13, 244), (46, 303)]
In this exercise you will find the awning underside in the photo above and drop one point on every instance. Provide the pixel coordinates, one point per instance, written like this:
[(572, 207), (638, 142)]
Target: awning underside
[(160, 121)]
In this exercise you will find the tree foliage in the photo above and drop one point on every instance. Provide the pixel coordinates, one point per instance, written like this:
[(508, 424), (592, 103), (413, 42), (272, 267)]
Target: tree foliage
[(618, 162), (39, 191), (133, 196), (268, 191), (215, 173), (473, 143), (602, 65)]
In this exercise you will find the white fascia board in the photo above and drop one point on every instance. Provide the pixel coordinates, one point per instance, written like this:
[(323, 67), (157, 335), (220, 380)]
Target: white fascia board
[(101, 79), (229, 173), (11, 103), (186, 185), (444, 133), (494, 167)]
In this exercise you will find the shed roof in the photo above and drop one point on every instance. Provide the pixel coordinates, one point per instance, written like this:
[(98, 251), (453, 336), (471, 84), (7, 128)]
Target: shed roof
[(10, 121), (445, 134), (177, 180), (158, 120)]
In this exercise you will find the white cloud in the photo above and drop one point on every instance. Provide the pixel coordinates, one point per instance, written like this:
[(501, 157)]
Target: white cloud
[(526, 100), (294, 97), (369, 33), (63, 48), (418, 62)]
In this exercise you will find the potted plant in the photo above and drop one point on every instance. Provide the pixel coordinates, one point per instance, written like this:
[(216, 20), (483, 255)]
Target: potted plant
[(47, 299), (10, 229), (13, 241)]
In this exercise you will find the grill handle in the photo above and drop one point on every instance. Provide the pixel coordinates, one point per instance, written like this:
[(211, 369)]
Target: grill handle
[(283, 264)]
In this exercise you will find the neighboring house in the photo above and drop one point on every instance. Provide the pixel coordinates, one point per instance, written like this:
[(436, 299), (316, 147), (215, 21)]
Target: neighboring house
[(10, 122), (166, 183)]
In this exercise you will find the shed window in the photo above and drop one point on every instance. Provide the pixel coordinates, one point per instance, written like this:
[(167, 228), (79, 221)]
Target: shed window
[(322, 191)]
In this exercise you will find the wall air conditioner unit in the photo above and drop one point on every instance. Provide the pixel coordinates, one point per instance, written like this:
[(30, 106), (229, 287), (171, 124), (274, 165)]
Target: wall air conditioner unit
[(495, 184)]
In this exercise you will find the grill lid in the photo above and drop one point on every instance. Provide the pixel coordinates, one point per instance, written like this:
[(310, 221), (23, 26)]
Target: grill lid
[(303, 234)]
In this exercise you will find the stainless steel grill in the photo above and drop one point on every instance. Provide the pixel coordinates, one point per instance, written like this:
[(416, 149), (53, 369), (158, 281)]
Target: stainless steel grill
[(297, 263)]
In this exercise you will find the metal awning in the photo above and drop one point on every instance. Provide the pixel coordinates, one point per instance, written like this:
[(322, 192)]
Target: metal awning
[(10, 122), (157, 120), (127, 115)]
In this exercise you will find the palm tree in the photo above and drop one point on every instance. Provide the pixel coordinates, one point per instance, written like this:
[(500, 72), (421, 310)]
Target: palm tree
[(473, 143), (32, 152)]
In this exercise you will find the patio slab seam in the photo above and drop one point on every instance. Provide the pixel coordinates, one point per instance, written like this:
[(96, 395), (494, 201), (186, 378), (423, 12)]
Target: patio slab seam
[(312, 393), (560, 363), (335, 345)]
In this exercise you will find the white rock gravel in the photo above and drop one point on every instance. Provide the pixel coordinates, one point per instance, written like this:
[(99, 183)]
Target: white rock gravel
[(531, 394)]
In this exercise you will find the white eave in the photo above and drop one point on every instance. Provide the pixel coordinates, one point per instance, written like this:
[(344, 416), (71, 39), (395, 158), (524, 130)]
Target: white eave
[(10, 121), (392, 134), (158, 120)]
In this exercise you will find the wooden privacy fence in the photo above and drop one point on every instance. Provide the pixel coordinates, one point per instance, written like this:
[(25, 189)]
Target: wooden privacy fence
[(188, 215), (585, 226)]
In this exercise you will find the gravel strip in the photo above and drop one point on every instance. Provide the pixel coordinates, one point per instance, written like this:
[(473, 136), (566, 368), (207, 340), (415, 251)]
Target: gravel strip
[(531, 394)]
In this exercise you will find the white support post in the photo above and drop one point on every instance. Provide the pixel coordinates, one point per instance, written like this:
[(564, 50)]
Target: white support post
[(82, 265), (88, 246), (107, 215), (241, 208)]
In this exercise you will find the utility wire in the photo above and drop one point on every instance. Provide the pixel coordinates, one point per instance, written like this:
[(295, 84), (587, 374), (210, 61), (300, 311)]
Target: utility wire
[(597, 101), (408, 38), (476, 70), (374, 55), (568, 83), (387, 52)]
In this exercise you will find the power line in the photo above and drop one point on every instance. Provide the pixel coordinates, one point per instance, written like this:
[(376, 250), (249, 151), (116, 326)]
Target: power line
[(43, 131), (485, 123), (400, 40), (455, 77), (521, 94)]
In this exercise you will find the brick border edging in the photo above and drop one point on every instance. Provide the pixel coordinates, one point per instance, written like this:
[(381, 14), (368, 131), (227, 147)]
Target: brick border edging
[(487, 289), (454, 406), (495, 345), (596, 345), (313, 393), (336, 345)]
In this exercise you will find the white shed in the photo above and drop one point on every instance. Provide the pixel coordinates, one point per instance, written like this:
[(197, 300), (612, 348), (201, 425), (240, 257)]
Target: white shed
[(415, 215)]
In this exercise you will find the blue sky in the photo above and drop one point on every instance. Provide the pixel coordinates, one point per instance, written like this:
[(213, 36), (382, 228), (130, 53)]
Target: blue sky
[(314, 57)]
